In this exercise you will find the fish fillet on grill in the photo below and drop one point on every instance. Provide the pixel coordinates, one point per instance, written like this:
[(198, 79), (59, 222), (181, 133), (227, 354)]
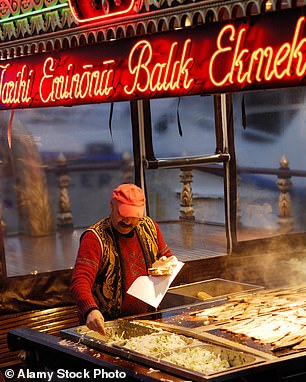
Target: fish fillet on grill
[(276, 317), (300, 346)]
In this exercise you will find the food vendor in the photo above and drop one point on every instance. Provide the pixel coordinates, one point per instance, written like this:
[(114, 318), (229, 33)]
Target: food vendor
[(112, 254)]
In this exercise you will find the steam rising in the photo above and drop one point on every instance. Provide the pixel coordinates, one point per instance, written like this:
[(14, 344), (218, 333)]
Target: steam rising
[(272, 266)]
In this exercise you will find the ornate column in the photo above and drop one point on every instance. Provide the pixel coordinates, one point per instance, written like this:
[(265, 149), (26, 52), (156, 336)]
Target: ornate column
[(284, 202), (186, 210)]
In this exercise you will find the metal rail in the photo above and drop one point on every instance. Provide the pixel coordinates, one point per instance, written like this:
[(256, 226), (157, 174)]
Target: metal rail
[(186, 161)]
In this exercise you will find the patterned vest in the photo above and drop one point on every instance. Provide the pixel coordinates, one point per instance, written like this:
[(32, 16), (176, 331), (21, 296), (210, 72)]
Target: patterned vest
[(109, 284)]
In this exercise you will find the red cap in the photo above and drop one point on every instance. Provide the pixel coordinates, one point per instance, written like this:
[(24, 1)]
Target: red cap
[(130, 200)]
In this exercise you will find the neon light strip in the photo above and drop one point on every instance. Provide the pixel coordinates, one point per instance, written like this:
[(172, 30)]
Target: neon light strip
[(263, 64), (23, 15)]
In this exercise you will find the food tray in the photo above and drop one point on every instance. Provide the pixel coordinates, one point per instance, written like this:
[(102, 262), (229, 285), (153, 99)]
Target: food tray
[(213, 288), (188, 352), (121, 331), (203, 358)]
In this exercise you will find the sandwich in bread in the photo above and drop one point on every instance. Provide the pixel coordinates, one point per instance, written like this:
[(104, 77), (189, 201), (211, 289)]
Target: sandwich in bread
[(163, 266)]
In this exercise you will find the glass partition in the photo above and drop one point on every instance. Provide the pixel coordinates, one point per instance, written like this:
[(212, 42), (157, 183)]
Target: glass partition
[(58, 168), (183, 126), (189, 200), (271, 161)]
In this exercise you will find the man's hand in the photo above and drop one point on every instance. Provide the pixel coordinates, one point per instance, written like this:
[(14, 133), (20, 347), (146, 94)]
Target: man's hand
[(95, 321)]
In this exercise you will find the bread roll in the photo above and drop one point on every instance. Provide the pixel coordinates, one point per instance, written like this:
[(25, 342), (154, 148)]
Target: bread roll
[(160, 271), (163, 266)]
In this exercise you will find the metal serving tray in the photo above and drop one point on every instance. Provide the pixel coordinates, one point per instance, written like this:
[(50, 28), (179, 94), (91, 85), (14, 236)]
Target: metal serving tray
[(120, 331), (213, 288), (232, 358)]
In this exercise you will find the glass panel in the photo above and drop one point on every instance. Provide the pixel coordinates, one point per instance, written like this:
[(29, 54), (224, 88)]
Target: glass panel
[(195, 116), (40, 195), (188, 239), (164, 193), (272, 137)]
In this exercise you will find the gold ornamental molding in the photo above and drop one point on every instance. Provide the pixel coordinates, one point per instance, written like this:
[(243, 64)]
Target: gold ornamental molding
[(57, 29)]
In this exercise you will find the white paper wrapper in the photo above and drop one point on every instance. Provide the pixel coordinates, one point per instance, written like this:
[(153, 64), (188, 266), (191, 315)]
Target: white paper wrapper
[(152, 289)]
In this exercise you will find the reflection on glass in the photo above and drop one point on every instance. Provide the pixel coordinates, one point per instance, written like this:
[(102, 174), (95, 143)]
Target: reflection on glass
[(186, 127), (274, 129), (64, 162), (59, 157), (195, 116)]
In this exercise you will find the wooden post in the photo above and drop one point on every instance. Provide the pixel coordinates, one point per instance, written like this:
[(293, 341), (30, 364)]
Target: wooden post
[(284, 203), (186, 210), (64, 214)]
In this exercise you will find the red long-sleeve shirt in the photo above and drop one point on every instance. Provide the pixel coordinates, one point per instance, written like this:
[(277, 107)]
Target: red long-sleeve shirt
[(133, 265)]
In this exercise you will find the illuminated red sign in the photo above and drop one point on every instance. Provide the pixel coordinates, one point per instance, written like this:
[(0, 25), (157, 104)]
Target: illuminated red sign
[(244, 55), (264, 64), (91, 10)]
